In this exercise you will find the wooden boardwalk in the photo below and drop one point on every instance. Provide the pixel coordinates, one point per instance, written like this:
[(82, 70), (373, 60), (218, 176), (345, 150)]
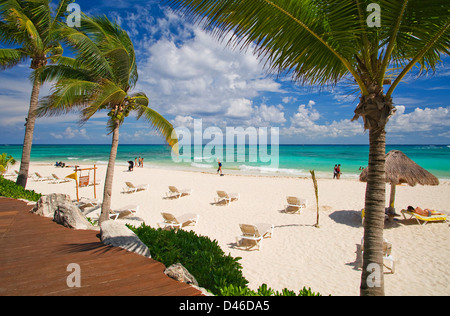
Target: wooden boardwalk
[(35, 254)]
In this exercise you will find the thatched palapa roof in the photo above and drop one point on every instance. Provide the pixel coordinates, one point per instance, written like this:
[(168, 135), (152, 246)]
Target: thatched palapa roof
[(400, 169)]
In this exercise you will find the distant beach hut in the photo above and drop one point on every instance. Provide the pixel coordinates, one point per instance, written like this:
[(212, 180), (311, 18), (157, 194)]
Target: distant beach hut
[(401, 169)]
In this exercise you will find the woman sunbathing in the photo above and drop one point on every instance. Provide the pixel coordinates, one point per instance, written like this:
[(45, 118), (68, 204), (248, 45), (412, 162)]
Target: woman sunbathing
[(425, 212)]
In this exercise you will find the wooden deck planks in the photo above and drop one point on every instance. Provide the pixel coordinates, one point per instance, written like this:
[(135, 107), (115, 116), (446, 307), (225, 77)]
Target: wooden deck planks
[(35, 253)]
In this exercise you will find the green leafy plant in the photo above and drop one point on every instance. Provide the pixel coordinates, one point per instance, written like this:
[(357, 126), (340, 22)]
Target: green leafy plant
[(201, 256), (263, 290), (11, 190), (219, 273)]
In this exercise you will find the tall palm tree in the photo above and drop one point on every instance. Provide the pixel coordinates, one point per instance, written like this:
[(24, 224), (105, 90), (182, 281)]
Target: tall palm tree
[(33, 26), (321, 42), (101, 77)]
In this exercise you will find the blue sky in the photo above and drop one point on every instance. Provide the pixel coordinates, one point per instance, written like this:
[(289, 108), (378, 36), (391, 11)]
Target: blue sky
[(189, 75)]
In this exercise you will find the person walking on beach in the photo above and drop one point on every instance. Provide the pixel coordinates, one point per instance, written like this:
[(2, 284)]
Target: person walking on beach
[(220, 167), (335, 172), (338, 172), (140, 161)]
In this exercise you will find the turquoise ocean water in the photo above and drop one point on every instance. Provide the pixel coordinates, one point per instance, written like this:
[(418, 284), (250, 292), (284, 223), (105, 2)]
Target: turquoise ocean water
[(291, 160)]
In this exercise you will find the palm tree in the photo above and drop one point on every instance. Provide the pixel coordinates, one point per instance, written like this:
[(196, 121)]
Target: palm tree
[(100, 78), (321, 42), (33, 26)]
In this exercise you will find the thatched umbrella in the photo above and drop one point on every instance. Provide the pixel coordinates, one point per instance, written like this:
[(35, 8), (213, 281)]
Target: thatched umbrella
[(401, 169)]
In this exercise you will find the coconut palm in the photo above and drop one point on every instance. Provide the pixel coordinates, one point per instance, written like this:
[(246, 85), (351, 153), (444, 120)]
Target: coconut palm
[(33, 27), (321, 42), (100, 78)]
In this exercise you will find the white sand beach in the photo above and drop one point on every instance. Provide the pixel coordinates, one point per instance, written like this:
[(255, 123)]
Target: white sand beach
[(298, 254)]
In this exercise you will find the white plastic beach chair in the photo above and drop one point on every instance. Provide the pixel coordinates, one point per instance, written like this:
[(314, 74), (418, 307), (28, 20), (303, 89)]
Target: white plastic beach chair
[(87, 205), (131, 188), (178, 222), (175, 192), (227, 197), (253, 235), (38, 177), (124, 212), (57, 180), (387, 254), (295, 204)]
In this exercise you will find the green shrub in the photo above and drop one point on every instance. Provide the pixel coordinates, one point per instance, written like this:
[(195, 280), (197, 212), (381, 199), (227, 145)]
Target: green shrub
[(205, 260), (10, 189), (202, 257), (263, 290)]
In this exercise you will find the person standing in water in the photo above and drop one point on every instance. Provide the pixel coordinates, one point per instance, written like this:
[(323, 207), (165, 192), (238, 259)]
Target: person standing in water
[(220, 167)]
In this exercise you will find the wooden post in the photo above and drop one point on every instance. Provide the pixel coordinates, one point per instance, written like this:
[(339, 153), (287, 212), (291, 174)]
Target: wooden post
[(95, 181), (76, 182), (392, 199)]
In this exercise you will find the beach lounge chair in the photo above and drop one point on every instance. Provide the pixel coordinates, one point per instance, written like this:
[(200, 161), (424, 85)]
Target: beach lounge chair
[(295, 204), (387, 254), (123, 212), (131, 188), (425, 219), (253, 235), (17, 173), (175, 192), (57, 180), (87, 205), (178, 222), (38, 177), (224, 196)]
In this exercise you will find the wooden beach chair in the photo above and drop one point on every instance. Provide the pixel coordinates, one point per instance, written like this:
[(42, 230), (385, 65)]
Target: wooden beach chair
[(253, 235), (425, 219), (172, 221), (295, 204), (175, 192), (131, 188), (227, 197), (387, 254), (123, 212)]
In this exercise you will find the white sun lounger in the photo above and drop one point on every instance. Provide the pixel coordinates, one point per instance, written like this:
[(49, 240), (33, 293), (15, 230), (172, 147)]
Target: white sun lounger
[(227, 197), (254, 234), (295, 204), (131, 188), (175, 192), (178, 222), (124, 212), (57, 180), (38, 177)]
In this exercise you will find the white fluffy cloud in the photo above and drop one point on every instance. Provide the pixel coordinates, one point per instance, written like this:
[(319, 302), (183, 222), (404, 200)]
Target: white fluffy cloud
[(195, 75), (420, 120), (305, 123)]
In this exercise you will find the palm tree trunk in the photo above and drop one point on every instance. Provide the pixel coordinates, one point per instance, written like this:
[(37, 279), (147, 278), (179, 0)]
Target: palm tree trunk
[(372, 281), (28, 140), (107, 193)]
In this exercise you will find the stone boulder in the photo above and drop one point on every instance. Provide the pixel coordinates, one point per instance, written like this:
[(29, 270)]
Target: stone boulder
[(48, 204), (116, 234), (70, 216), (180, 273)]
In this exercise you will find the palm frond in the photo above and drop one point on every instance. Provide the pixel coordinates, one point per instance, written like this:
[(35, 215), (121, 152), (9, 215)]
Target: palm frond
[(11, 57), (161, 124), (311, 40), (67, 96)]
